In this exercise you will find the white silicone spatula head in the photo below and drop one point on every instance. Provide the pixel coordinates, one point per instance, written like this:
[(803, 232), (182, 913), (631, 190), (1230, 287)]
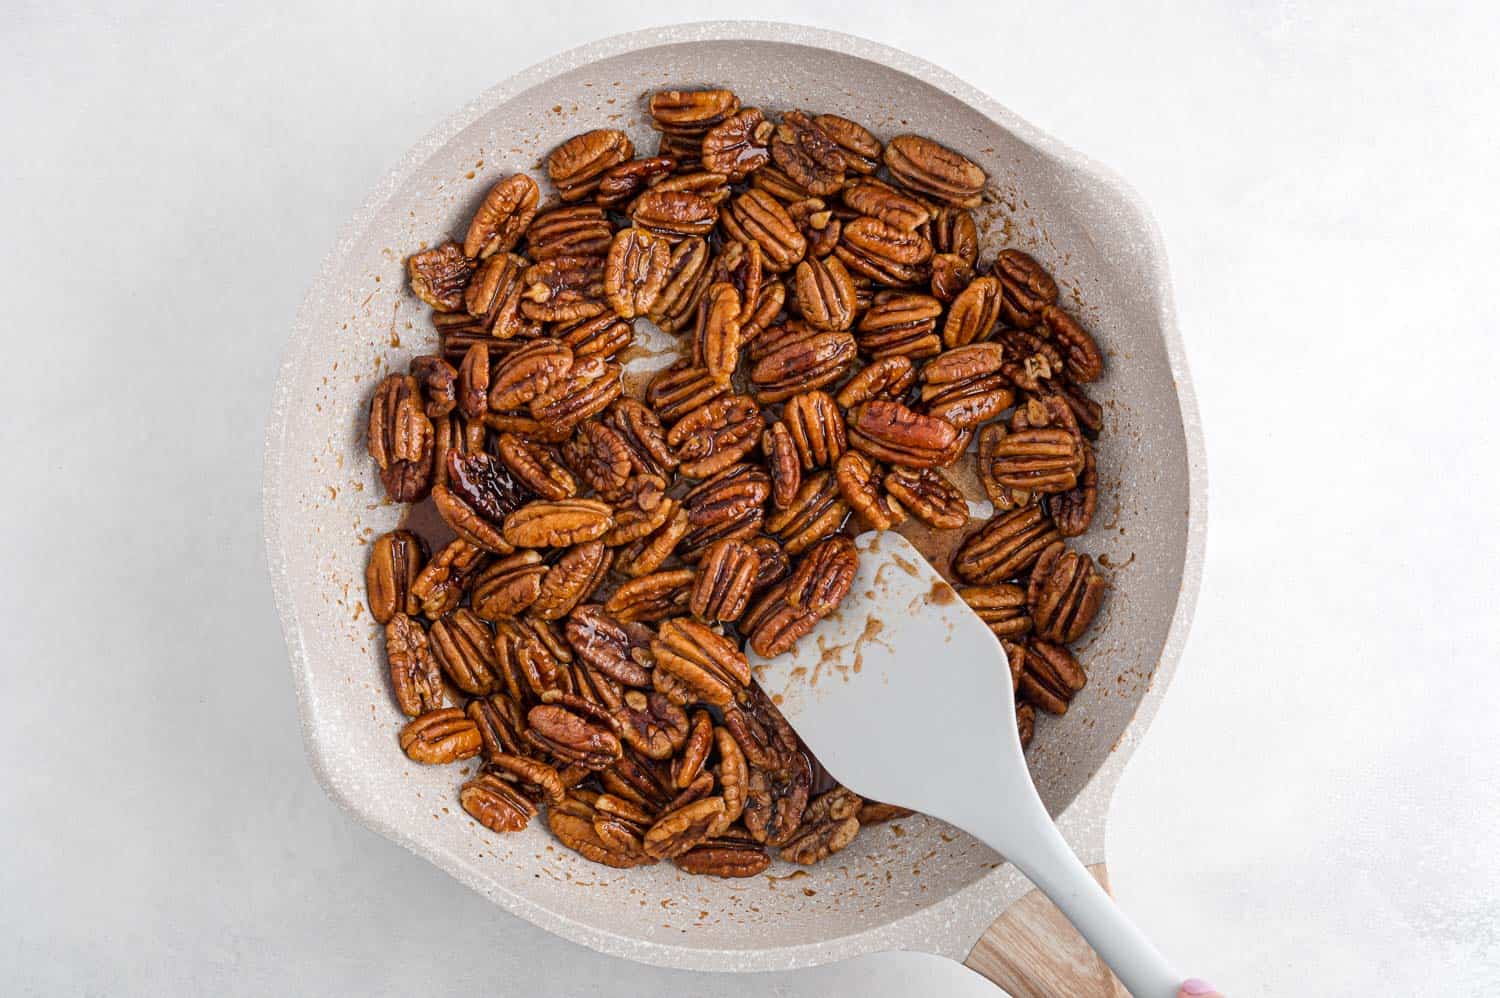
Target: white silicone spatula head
[(905, 696)]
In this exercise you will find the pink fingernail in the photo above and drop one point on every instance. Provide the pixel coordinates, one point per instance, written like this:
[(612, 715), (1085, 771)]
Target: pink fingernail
[(1197, 986)]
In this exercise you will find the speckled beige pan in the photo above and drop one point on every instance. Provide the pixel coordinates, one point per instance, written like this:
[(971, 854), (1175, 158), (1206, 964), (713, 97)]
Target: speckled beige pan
[(913, 884)]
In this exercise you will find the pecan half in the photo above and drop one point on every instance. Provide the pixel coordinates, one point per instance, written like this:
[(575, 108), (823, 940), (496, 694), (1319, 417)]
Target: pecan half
[(724, 580), (437, 379), (824, 577), (440, 736), (724, 858), (825, 293), (674, 214), (860, 149), (756, 216), (396, 560), (829, 824), (1064, 594), (564, 289), (901, 325), (635, 271), (399, 430), (892, 206), (808, 156), (682, 388), (536, 466), (602, 458), (620, 184), (592, 386), (687, 278), (645, 439), (496, 803), (950, 276), (860, 484), (552, 523), (965, 386), (773, 181), (415, 677), (816, 512), (648, 553), (509, 586), (438, 276), (884, 253), (473, 386), (954, 232), (530, 656), (803, 363), (889, 378), (730, 504), (573, 730), (776, 801), (535, 369), (738, 145), (1027, 285), (1025, 723), (929, 497), (651, 724), (924, 165), (717, 335), (817, 428), (1041, 460), (572, 579), (691, 760), (708, 662), (1073, 510), (974, 312), (1002, 606), (889, 431), (441, 583), (716, 435), (1004, 547), (1083, 361), (651, 597), (690, 112), (577, 165), (1052, 676), (773, 626), (464, 646), (874, 812), (678, 831), (502, 217), (577, 833), (501, 723), (604, 644), (569, 230)]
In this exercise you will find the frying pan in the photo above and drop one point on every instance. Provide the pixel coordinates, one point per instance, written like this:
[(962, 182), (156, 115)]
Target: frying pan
[(915, 884)]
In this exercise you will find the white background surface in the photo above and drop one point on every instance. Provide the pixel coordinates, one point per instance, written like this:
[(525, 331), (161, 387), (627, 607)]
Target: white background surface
[(1315, 811)]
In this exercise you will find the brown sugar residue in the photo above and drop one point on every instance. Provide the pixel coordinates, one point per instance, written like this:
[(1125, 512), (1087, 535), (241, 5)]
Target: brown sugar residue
[(1105, 561), (941, 594)]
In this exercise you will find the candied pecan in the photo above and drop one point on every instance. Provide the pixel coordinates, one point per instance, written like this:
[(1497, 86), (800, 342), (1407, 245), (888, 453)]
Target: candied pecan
[(621, 183), (680, 830), (776, 801), (801, 365), (973, 314), (473, 387), (1002, 496), (1031, 361), (782, 463), (929, 496), (880, 200), (440, 736), (395, 562), (816, 512), (818, 225), (1025, 723), (689, 762), (674, 214), (1082, 359), (1052, 676), (551, 523), (901, 325), (644, 508), (508, 586), (730, 504), (874, 812), (634, 271), (757, 216), (536, 779), (741, 265), (724, 858), (889, 431), (712, 187), (824, 577), (534, 369), (954, 233), (860, 150), (825, 293), (604, 644), (399, 430), (716, 435), (651, 724), (682, 388), (501, 724), (651, 597), (965, 386), (493, 297), (577, 165), (470, 520), (441, 583), (687, 150), (690, 112), (1064, 594), (1040, 460), (601, 457), (1028, 287), (778, 337), (685, 280), (817, 428), (860, 484), (569, 230), (1004, 547), (415, 676), (572, 579), (437, 378), (950, 276), (1002, 606), (717, 335), (464, 646), (773, 626), (648, 553), (884, 253), (592, 386), (829, 824), (564, 288), (722, 585), (645, 439), (925, 166), (620, 825), (773, 180), (1073, 510), (738, 145), (603, 336), (496, 803), (577, 833), (536, 466), (888, 378), (530, 656), (1089, 414), (808, 156), (438, 276), (733, 774), (708, 662), (573, 730), (502, 217)]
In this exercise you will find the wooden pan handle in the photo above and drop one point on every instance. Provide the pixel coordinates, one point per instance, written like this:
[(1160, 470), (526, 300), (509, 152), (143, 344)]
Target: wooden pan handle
[(1033, 952)]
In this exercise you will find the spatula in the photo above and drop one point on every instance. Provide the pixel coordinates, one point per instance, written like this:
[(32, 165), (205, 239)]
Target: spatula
[(904, 654)]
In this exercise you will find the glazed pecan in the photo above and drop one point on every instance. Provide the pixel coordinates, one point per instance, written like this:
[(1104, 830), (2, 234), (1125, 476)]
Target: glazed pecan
[(441, 583), (533, 370), (1082, 359), (888, 378), (437, 379), (873, 812), (1003, 497), (954, 233), (825, 293), (479, 495), (572, 579), (724, 858), (551, 523), (817, 429), (604, 644), (564, 289), (950, 276), (502, 217), (399, 430), (901, 325), (472, 388), (773, 626), (508, 586), (929, 497), (925, 166), (717, 335), (464, 646), (530, 655), (860, 149), (690, 112), (1028, 287), (643, 509), (687, 150), (818, 225), (776, 801), (602, 458), (645, 439), (860, 484), (690, 762), (974, 312), (1025, 723), (773, 180), (1042, 461), (708, 662), (884, 253), (756, 216), (725, 576), (635, 271), (415, 677), (438, 276), (620, 184), (804, 363), (965, 386), (1052, 676), (716, 435), (651, 597), (440, 736), (738, 145), (892, 206), (577, 165), (576, 831), (651, 724), (730, 504), (828, 825), (733, 774), (808, 156), (648, 553), (1002, 606), (782, 463), (591, 387), (1073, 510), (1064, 594), (501, 723), (536, 466), (889, 431), (569, 230), (573, 730), (816, 512), (396, 560), (681, 389), (496, 803), (824, 577), (674, 214), (1004, 547), (680, 830)]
